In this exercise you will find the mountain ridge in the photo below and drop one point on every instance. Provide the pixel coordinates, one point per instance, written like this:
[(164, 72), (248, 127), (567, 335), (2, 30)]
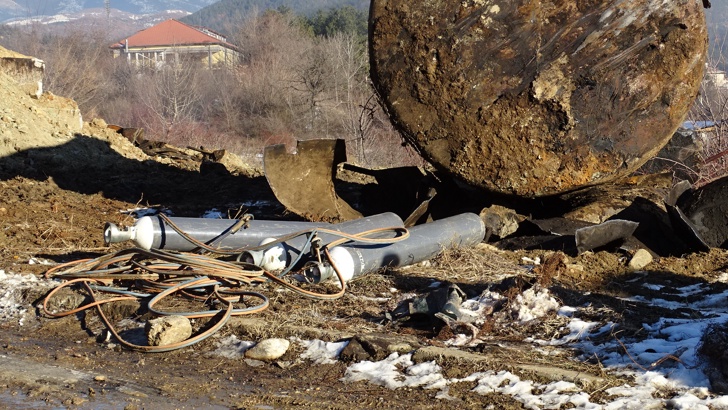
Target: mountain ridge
[(10, 10)]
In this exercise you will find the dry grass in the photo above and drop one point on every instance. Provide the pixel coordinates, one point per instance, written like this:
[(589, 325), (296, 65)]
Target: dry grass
[(475, 265)]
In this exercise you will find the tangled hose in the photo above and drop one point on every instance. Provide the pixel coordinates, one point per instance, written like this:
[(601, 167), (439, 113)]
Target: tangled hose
[(216, 277)]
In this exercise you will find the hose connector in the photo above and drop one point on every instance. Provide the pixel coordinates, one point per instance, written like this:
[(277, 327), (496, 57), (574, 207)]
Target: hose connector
[(252, 257), (112, 234), (317, 272)]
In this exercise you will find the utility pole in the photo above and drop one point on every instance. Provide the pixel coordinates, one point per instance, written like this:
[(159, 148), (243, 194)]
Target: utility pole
[(107, 6)]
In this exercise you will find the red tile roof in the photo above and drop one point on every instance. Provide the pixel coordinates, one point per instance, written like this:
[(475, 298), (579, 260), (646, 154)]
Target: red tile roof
[(170, 33)]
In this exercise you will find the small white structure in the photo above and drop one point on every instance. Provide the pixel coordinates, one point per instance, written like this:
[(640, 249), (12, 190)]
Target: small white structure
[(716, 77)]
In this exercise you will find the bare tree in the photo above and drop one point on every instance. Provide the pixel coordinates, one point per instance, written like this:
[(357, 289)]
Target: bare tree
[(708, 115), (273, 49), (354, 95), (171, 95), (76, 62), (313, 81)]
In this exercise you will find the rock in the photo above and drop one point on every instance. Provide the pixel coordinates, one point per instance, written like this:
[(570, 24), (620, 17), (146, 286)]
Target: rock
[(429, 353), (99, 122), (168, 330), (559, 374), (234, 164), (268, 349), (376, 346), (500, 221), (640, 259), (533, 98), (354, 352), (715, 356)]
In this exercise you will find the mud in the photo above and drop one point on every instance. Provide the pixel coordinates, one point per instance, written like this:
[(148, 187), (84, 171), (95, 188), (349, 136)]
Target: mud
[(537, 98)]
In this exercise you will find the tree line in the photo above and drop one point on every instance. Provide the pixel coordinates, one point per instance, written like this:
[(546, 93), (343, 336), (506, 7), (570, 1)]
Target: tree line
[(223, 15)]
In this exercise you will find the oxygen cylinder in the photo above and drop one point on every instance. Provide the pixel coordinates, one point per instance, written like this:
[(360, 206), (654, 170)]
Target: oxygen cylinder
[(153, 232), (424, 242)]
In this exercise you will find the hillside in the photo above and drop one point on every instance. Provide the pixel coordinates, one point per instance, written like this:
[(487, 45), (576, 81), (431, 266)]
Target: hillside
[(38, 8), (115, 24), (220, 15)]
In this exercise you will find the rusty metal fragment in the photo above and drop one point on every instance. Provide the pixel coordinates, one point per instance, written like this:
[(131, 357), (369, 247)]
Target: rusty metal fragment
[(304, 182), (704, 211), (533, 98), (593, 237)]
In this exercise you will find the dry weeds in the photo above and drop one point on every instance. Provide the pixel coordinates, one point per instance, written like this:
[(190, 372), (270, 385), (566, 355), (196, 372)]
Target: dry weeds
[(476, 265)]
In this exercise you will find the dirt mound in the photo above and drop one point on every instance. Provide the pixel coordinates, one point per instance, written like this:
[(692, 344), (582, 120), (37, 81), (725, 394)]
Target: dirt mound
[(31, 123), (46, 132), (28, 121)]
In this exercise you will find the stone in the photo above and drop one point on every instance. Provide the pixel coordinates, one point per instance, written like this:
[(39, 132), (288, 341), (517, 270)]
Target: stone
[(167, 330), (640, 259), (99, 122), (500, 221), (713, 353), (376, 346), (268, 349), (560, 374)]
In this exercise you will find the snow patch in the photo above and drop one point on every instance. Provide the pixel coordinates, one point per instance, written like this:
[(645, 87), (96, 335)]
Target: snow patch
[(12, 288), (321, 352), (533, 304), (232, 348)]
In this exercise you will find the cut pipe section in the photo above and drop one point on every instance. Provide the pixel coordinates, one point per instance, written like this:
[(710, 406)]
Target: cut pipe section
[(153, 232), (424, 242), (284, 254)]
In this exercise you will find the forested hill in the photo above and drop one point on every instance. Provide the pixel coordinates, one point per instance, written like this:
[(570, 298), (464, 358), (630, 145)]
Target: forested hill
[(220, 15)]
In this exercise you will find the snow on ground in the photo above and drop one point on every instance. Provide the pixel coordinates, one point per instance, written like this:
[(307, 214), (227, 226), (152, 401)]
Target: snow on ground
[(12, 287), (677, 337), (643, 360), (321, 352), (232, 348)]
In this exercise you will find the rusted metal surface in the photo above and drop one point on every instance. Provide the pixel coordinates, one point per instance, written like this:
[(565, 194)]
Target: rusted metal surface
[(706, 211), (537, 97), (304, 182)]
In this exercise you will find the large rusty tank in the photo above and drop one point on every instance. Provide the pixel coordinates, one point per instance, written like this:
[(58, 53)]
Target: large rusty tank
[(537, 97)]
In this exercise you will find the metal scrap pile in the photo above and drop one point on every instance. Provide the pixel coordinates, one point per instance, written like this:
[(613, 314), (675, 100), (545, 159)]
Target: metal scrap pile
[(219, 263)]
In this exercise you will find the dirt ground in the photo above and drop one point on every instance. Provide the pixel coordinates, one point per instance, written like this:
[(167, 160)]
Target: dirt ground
[(58, 191), (51, 214)]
